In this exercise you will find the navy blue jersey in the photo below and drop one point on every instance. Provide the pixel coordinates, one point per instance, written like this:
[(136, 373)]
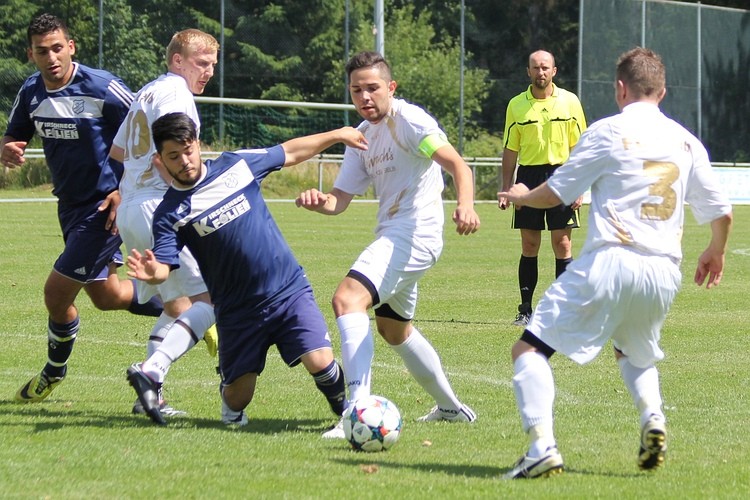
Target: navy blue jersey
[(224, 221), (77, 124)]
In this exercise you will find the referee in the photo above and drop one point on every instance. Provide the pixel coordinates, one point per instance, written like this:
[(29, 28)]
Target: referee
[(542, 124)]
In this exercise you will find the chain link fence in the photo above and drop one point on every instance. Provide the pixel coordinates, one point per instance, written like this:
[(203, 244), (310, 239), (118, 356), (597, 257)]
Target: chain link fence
[(706, 51)]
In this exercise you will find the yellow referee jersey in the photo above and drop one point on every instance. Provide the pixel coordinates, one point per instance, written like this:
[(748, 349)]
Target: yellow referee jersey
[(543, 131)]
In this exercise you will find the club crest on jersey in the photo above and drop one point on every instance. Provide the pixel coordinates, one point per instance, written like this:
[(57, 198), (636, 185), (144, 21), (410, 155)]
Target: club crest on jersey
[(222, 216), (78, 106), (230, 180)]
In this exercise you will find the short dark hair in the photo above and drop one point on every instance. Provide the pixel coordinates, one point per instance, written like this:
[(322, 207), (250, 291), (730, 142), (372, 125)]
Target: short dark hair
[(46, 23), (368, 60), (177, 127), (643, 71)]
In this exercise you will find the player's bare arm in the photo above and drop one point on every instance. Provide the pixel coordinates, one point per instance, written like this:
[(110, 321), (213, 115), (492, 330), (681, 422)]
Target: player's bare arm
[(146, 268), (331, 203), (539, 197), (303, 148), (111, 202), (465, 217), (507, 170), (711, 261), (12, 152)]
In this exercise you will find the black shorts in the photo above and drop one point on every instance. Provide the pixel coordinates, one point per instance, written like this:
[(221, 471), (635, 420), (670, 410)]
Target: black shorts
[(559, 217)]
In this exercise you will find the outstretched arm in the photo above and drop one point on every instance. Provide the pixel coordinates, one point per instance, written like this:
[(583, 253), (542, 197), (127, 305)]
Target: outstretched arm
[(539, 197), (146, 268), (300, 149), (331, 203), (711, 262), (465, 217)]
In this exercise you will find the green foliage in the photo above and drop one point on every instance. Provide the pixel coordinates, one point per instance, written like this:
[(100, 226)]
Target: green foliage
[(87, 444), (426, 68), (34, 172), (293, 50)]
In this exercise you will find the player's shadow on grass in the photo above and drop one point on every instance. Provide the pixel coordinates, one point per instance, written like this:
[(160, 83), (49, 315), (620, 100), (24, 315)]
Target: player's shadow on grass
[(254, 425), (457, 321), (54, 415), (365, 461)]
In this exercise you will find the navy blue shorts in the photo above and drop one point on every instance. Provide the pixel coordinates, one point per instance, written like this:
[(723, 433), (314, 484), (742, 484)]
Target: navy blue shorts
[(559, 217), (295, 325), (89, 247)]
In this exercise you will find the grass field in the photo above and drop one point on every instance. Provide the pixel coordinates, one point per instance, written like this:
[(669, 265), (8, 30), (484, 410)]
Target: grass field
[(83, 441)]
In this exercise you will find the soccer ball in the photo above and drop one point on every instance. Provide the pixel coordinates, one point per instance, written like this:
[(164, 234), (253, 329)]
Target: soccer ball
[(372, 423)]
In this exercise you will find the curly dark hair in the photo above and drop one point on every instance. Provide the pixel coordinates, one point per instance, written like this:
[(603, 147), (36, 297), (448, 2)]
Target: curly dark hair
[(46, 23)]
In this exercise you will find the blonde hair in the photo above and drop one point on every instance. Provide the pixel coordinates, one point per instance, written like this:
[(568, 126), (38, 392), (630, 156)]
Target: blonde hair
[(191, 40)]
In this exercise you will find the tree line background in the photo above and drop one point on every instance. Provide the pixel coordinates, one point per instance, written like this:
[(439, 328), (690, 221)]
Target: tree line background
[(295, 50)]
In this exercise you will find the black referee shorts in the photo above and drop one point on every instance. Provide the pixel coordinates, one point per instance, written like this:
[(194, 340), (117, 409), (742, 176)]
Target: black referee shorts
[(559, 217)]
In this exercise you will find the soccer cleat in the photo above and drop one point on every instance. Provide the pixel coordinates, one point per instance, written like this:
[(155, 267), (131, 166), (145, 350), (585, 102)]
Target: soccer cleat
[(524, 315), (147, 391), (336, 432), (164, 408), (531, 468), (38, 388), (232, 417), (211, 338), (653, 444), (464, 414)]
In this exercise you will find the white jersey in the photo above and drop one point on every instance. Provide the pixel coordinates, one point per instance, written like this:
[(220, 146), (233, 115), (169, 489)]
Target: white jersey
[(642, 167), (167, 94), (408, 184)]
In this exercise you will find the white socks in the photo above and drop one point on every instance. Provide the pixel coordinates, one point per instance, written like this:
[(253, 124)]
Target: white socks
[(158, 332), (187, 330), (357, 351), (423, 363), (643, 385), (535, 394)]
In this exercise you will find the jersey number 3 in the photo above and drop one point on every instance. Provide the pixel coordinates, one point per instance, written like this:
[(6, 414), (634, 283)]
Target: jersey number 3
[(665, 173)]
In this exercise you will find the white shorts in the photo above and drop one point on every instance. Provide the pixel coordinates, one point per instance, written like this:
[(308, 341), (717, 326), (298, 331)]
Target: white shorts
[(614, 292), (134, 219), (394, 265)]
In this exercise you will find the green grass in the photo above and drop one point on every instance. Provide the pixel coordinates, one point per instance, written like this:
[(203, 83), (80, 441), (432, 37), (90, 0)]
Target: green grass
[(83, 441)]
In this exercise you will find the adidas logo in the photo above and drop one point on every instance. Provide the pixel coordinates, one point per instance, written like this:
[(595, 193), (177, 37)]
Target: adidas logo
[(81, 271), (33, 101)]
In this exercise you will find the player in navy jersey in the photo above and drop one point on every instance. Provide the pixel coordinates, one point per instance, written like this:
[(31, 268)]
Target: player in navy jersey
[(76, 112), (260, 292)]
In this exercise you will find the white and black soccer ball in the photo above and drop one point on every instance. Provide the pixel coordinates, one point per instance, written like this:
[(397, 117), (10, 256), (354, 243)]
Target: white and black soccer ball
[(372, 423)]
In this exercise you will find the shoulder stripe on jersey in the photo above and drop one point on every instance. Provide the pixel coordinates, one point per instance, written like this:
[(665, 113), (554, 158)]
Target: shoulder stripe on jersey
[(15, 106), (120, 92), (69, 107), (221, 192)]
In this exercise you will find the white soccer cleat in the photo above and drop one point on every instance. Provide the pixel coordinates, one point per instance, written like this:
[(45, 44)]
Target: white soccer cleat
[(464, 414), (653, 444), (531, 468), (231, 417), (335, 432)]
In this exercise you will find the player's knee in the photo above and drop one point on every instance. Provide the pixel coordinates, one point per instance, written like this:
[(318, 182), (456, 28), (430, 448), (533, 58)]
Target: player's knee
[(530, 248), (108, 301), (236, 396), (317, 360), (344, 303)]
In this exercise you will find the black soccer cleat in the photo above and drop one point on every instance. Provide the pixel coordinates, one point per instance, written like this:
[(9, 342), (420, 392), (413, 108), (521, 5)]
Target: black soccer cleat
[(147, 391)]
